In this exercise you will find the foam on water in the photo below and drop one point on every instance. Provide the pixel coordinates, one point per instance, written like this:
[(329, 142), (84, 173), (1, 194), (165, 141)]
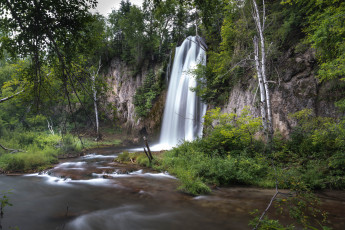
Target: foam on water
[(53, 180), (97, 156), (135, 173)]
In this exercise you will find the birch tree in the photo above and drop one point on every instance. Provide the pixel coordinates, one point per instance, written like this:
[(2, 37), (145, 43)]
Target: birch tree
[(260, 64), (94, 94)]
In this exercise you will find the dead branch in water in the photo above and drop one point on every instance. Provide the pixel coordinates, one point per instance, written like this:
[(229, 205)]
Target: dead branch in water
[(148, 156), (148, 149)]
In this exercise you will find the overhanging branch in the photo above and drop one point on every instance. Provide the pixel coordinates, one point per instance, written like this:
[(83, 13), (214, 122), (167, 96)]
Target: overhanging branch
[(10, 97)]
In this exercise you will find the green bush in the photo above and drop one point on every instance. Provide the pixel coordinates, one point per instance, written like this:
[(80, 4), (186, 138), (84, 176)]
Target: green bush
[(195, 167), (146, 94), (138, 157), (232, 153), (232, 133), (21, 162), (38, 150)]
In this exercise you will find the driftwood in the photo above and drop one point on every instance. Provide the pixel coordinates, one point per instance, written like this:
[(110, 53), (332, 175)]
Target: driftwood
[(148, 156), (148, 152)]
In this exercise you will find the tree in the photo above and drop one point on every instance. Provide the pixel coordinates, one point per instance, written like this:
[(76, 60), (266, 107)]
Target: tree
[(324, 26), (2, 100), (44, 31), (127, 28), (265, 98)]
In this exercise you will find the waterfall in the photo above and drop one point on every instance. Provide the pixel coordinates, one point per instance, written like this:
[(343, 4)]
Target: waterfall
[(183, 111)]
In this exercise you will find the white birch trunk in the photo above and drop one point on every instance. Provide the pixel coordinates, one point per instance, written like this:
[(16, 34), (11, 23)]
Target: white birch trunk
[(263, 106), (50, 127), (10, 97), (93, 78), (260, 26)]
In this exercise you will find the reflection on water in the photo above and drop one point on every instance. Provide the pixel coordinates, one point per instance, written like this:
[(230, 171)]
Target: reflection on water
[(93, 192)]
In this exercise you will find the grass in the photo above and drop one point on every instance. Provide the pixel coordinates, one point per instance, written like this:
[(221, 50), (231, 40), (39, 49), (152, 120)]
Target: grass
[(39, 150), (198, 170)]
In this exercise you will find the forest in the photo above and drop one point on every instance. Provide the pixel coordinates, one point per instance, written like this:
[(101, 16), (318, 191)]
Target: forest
[(55, 58)]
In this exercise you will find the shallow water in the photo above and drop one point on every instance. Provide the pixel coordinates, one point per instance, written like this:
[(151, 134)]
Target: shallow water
[(93, 192)]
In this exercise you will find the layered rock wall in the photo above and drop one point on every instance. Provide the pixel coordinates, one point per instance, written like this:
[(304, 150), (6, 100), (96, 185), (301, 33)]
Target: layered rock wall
[(123, 83), (295, 88)]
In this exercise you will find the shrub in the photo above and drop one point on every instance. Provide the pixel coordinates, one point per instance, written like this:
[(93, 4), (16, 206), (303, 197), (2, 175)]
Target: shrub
[(40, 150), (146, 94), (231, 131), (194, 166)]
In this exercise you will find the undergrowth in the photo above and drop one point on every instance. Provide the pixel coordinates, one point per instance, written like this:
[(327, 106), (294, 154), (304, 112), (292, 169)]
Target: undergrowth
[(39, 150), (232, 153)]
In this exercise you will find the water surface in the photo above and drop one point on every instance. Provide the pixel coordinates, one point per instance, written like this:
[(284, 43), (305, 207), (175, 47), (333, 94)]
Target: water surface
[(93, 192)]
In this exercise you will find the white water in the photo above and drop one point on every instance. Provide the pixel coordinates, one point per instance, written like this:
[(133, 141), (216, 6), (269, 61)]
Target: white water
[(183, 112)]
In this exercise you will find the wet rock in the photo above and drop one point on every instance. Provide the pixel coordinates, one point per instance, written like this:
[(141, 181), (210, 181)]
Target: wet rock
[(107, 177), (69, 155)]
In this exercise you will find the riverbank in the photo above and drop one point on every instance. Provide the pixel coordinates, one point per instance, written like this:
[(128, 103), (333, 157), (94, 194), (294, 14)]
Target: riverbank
[(199, 173), (131, 175), (101, 193), (40, 151)]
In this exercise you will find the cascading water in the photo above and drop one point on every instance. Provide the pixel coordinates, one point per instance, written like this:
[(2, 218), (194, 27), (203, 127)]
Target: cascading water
[(183, 112)]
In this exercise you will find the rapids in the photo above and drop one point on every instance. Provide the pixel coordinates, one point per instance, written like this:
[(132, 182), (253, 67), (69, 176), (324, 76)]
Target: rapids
[(94, 192)]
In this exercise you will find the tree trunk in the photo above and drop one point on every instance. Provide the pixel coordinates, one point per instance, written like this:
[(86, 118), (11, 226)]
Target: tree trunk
[(93, 78), (261, 67), (263, 106)]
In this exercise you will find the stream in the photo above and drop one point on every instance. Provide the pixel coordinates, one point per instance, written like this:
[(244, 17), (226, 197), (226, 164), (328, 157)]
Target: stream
[(94, 192)]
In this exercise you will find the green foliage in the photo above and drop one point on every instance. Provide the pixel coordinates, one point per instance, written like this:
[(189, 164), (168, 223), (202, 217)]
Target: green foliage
[(231, 153), (31, 161), (225, 54), (123, 157), (55, 23), (39, 150), (268, 224), (233, 132), (326, 33), (147, 93), (194, 166), (226, 155), (315, 149), (4, 201), (325, 29), (133, 157), (301, 205)]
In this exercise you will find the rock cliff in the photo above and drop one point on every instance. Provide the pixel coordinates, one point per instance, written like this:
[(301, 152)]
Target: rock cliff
[(295, 88), (123, 83)]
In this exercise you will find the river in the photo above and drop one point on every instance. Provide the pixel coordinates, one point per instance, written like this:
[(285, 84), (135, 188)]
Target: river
[(94, 192)]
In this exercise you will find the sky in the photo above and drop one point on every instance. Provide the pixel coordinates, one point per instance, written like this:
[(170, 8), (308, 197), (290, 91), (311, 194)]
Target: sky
[(104, 7)]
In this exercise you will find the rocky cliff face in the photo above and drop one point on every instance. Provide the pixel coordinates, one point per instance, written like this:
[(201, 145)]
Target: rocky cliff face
[(123, 85), (296, 88)]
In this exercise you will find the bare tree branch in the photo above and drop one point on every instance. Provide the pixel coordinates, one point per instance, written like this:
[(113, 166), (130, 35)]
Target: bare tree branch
[(10, 97), (12, 150)]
